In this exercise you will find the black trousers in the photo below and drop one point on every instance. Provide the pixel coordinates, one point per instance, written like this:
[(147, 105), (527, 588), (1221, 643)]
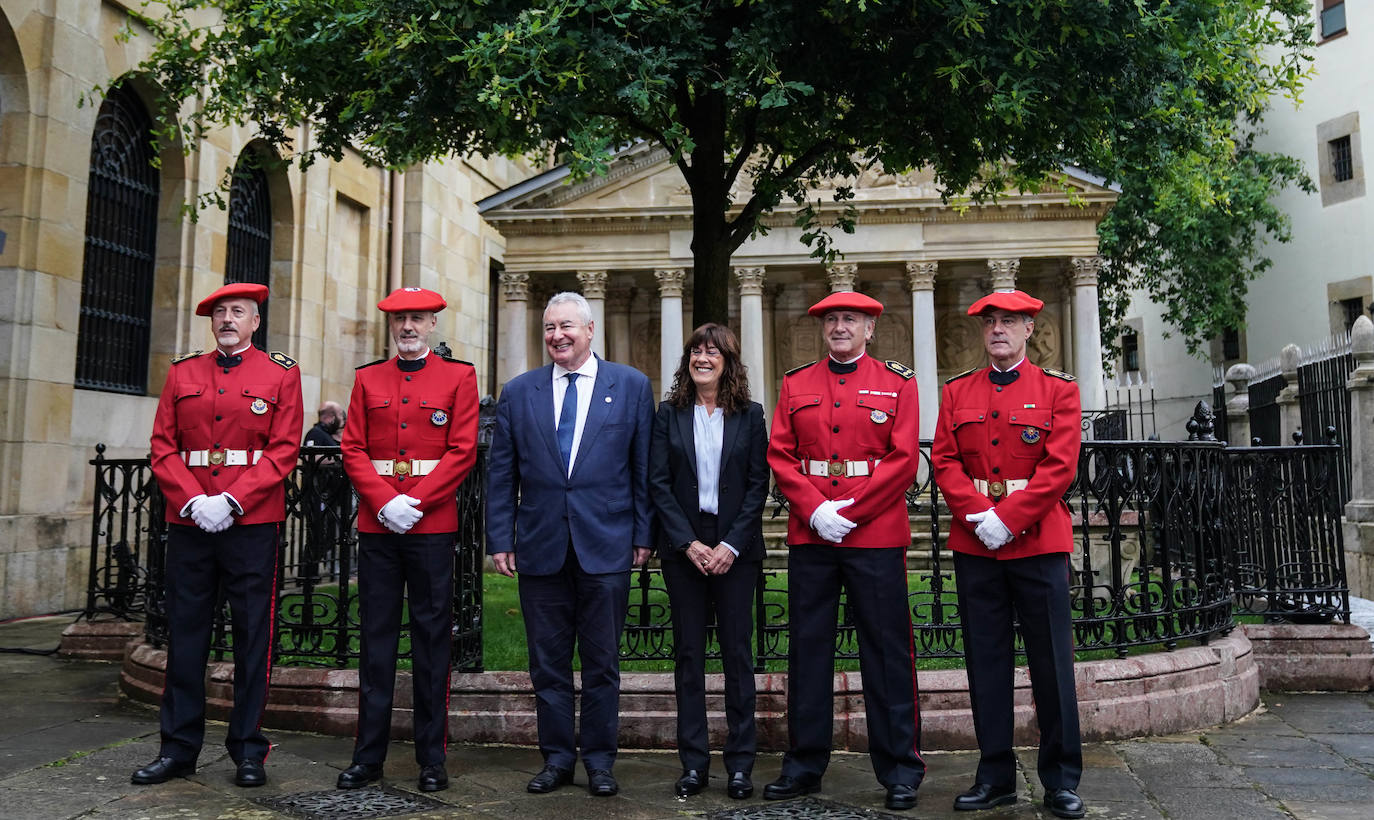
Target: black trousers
[(874, 581), (694, 598), (422, 566), (244, 558), (570, 608), (1036, 591)]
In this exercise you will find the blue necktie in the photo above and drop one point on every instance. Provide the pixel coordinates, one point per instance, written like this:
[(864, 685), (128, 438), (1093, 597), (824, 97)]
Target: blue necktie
[(567, 422)]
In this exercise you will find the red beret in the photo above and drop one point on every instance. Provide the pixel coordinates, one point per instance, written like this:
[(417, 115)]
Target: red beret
[(847, 300), (405, 300), (237, 290), (1012, 301)]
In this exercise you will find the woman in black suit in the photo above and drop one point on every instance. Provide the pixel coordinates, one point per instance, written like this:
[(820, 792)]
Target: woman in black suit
[(708, 479)]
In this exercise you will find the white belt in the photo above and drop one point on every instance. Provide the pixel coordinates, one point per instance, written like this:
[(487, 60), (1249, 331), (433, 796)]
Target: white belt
[(849, 469), (1000, 489), (219, 458), (404, 467)]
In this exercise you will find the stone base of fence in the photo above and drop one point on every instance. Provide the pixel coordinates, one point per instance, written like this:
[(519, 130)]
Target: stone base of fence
[(99, 640), (1326, 657), (1149, 694)]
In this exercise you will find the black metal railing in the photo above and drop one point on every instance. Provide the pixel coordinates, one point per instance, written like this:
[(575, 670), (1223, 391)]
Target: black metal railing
[(1324, 404), (1265, 415)]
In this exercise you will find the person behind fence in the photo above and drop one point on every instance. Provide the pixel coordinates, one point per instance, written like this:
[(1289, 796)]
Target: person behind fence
[(568, 509), (330, 422), (412, 441), (225, 437), (708, 480), (844, 450), (1005, 452)]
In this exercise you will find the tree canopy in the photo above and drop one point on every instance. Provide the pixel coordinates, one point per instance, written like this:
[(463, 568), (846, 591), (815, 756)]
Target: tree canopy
[(1158, 97)]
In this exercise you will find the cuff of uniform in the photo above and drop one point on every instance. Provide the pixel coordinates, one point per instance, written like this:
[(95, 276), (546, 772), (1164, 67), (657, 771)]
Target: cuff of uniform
[(186, 510), (234, 502)]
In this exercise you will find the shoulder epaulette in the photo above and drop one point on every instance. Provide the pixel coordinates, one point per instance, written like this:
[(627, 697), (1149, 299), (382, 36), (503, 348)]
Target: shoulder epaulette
[(1059, 374), (185, 357), (968, 372), (456, 361), (369, 364), (282, 359), (799, 368), (900, 369)]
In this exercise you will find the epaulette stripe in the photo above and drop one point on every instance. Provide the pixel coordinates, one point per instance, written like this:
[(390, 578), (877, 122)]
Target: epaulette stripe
[(186, 357), (369, 364), (1059, 374), (799, 368), (900, 369), (968, 372), (282, 359), (457, 361)]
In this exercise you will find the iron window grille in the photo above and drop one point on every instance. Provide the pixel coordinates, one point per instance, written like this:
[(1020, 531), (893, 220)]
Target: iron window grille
[(249, 256), (1342, 167)]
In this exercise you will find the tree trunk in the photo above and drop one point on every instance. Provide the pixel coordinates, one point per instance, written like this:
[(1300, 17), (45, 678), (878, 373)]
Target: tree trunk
[(711, 250)]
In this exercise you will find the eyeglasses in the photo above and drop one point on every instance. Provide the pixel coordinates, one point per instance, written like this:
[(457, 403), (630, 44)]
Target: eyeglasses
[(711, 352)]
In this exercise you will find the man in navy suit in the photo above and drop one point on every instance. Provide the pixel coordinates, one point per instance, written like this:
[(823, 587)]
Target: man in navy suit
[(568, 509)]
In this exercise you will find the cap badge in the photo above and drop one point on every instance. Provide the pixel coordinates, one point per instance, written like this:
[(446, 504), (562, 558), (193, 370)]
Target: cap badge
[(439, 417), (258, 407), (878, 416), (411, 290), (1030, 435)]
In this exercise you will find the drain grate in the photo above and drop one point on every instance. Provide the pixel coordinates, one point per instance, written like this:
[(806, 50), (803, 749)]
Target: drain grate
[(806, 808), (351, 804)]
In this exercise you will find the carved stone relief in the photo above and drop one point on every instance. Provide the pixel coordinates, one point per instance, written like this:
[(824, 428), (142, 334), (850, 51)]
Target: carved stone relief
[(892, 338), (644, 351), (958, 342), (1046, 347)]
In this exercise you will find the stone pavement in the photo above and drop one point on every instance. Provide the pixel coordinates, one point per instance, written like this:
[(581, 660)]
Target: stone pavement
[(68, 744)]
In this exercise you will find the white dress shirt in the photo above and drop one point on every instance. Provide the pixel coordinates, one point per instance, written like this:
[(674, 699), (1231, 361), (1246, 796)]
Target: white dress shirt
[(586, 381), (708, 435)]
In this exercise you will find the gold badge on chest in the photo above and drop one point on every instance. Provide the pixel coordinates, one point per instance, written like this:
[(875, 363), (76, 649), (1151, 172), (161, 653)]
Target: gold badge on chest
[(878, 416), (258, 407), (1030, 435), (439, 417)]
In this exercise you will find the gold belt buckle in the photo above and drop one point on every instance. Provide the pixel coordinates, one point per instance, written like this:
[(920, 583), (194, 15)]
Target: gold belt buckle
[(837, 468), (216, 457), (997, 489), (402, 467)]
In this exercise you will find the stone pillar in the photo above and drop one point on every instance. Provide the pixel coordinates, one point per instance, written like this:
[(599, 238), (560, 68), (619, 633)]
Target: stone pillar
[(593, 284), (842, 276), (1238, 378), (514, 359), (920, 277), (1087, 332), (751, 326), (670, 326), (618, 298), (1002, 273), (1290, 411), (1359, 511)]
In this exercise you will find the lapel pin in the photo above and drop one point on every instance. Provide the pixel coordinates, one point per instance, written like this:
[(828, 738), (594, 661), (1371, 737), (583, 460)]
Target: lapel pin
[(608, 399)]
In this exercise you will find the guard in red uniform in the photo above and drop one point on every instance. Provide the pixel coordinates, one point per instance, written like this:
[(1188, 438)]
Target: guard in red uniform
[(1006, 451), (225, 436), (410, 441), (844, 450)]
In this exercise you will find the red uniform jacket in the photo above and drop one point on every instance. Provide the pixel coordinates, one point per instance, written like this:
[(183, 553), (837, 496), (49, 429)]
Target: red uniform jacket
[(869, 415), (429, 414), (1029, 429), (254, 406)]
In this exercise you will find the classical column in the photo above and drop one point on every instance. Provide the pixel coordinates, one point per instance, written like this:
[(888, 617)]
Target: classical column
[(842, 276), (593, 284), (618, 298), (1087, 332), (751, 326), (670, 326), (1003, 273), (515, 287), (920, 277), (1359, 511)]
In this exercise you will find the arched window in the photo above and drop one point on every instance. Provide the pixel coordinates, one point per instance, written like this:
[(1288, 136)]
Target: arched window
[(121, 235), (250, 232)]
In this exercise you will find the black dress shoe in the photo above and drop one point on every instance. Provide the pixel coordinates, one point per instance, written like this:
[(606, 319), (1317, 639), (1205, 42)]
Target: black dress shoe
[(787, 787), (250, 773), (601, 783), (740, 786), (549, 778), (359, 775), (162, 770), (901, 796), (691, 782), (433, 778), (1065, 803), (984, 796)]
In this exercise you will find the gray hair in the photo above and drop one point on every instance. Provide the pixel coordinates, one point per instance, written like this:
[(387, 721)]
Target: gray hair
[(584, 310)]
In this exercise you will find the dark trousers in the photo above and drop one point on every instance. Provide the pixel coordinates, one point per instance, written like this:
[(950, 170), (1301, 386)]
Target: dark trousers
[(874, 581), (694, 597), (244, 558), (422, 566), (1036, 591), (574, 607)]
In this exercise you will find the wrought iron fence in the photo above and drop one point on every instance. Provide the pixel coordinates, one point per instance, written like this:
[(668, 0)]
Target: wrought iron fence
[(1265, 419), (1324, 401)]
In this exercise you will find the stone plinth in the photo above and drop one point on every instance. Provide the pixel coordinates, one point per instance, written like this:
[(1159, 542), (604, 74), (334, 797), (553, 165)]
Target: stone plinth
[(99, 640), (1301, 657)]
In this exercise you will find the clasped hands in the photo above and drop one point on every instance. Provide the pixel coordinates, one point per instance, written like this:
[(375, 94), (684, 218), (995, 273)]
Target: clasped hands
[(399, 514), (828, 523), (212, 513), (715, 560), (990, 530)]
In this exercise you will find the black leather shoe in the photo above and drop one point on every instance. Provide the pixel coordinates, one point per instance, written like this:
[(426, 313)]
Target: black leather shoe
[(250, 773), (601, 783), (787, 787), (740, 786), (359, 775), (433, 778), (162, 770), (1065, 803), (984, 796), (549, 778), (691, 782), (901, 796)]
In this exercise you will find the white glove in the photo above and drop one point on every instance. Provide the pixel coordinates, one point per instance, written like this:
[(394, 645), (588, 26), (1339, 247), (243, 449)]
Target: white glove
[(829, 524), (399, 514), (212, 513), (990, 530)]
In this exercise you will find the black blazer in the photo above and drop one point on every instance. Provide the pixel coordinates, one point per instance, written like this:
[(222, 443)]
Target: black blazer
[(743, 480)]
